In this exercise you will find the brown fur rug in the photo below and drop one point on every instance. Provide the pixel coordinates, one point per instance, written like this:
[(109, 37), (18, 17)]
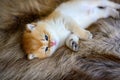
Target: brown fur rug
[(97, 59)]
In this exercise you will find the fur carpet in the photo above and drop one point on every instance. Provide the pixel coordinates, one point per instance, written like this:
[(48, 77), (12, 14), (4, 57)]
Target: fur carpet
[(97, 59)]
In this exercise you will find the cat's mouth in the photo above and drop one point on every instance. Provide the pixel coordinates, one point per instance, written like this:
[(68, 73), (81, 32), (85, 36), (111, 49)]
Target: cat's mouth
[(53, 43)]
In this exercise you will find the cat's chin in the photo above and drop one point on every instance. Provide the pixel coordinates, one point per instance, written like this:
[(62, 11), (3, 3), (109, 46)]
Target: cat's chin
[(53, 49)]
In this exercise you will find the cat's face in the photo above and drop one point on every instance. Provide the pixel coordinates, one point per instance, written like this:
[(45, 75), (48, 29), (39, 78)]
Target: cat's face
[(39, 41)]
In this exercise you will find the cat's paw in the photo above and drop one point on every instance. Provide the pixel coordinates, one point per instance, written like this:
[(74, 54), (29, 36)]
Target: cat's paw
[(108, 9), (111, 12), (72, 42), (74, 45), (114, 13), (88, 35)]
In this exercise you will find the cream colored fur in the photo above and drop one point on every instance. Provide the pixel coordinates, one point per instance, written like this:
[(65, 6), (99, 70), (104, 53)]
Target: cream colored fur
[(67, 23)]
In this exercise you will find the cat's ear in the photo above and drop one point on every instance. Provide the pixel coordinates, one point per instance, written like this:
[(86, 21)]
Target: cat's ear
[(30, 27), (31, 56)]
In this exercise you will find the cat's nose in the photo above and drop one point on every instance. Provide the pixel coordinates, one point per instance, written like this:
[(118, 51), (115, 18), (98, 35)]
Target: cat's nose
[(52, 43)]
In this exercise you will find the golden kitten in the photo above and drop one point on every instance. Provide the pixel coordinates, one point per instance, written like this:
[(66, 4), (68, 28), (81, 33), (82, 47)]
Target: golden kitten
[(65, 25)]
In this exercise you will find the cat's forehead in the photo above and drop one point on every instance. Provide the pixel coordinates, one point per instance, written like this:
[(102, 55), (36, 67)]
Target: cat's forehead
[(41, 27)]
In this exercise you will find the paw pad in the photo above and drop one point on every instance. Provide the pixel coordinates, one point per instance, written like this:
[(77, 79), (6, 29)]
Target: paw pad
[(75, 46)]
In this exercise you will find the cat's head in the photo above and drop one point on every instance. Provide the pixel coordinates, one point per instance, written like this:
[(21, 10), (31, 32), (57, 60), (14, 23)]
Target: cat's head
[(39, 41)]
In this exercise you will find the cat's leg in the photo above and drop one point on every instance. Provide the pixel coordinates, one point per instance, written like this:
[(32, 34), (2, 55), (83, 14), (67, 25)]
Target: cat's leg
[(106, 12), (105, 9), (108, 3), (80, 32), (72, 42)]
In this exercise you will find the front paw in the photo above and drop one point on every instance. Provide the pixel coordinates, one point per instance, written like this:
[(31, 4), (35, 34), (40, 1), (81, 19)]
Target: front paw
[(74, 45), (88, 35), (72, 42)]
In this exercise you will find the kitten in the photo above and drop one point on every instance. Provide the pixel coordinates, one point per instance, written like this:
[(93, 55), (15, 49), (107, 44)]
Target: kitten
[(41, 39)]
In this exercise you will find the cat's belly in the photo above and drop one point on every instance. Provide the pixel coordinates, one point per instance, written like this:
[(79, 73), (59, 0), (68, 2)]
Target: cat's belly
[(81, 18), (79, 13)]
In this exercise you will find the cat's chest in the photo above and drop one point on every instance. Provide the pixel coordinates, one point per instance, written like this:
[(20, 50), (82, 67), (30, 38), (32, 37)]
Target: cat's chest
[(61, 30), (63, 34), (58, 33)]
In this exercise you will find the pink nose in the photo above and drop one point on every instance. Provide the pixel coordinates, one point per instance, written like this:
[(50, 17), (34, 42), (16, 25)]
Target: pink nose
[(53, 43)]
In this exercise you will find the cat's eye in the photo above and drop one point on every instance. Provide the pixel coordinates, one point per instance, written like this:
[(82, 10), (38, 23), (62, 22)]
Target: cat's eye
[(46, 49), (46, 37)]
